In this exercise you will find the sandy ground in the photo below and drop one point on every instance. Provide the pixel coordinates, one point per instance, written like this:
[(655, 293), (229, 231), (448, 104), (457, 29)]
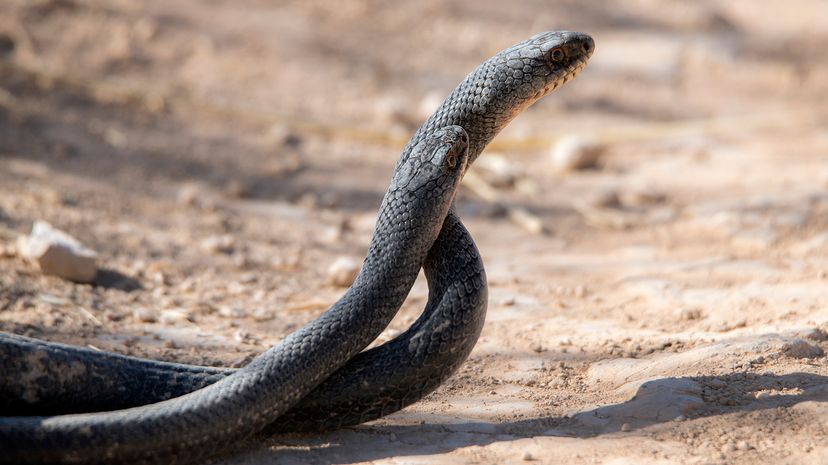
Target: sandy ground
[(221, 155)]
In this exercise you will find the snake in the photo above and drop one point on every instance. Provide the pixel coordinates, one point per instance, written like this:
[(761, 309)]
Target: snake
[(235, 404)]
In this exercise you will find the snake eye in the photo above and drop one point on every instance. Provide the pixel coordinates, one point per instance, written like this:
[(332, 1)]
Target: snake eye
[(557, 54)]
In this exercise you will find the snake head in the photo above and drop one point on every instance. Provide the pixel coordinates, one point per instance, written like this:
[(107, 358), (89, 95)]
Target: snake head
[(438, 159), (507, 83), (525, 72)]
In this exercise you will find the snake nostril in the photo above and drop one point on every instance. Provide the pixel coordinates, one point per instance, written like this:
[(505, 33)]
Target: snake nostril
[(586, 47)]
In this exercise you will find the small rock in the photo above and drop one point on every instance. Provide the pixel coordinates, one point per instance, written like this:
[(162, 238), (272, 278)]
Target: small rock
[(218, 244), (169, 344), (145, 315), (536, 347), (496, 170), (243, 337), (689, 314), (800, 348), (728, 447), (625, 428), (343, 271), (232, 312), (528, 456), (743, 445), (263, 314), (57, 253), (576, 153), (680, 418), (171, 317)]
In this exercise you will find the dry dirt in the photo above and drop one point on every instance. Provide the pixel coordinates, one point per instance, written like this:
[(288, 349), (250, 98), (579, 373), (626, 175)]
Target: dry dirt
[(220, 155)]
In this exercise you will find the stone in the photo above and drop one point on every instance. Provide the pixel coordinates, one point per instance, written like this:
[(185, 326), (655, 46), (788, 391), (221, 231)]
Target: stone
[(800, 348), (575, 153), (145, 315), (343, 271), (57, 253), (218, 244), (496, 170)]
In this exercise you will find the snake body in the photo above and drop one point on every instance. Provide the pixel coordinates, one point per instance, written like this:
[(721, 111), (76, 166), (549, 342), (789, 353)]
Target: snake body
[(59, 378), (199, 423), (373, 383)]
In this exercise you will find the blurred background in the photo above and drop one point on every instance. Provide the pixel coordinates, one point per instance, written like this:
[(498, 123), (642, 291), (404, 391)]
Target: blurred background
[(225, 160)]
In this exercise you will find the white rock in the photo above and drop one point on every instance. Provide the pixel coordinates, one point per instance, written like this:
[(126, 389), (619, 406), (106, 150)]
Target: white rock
[(57, 253), (576, 153), (495, 169), (145, 315), (218, 244), (343, 271)]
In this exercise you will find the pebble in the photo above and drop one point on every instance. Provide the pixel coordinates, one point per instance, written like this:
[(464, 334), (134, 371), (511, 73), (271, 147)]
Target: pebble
[(728, 447), (145, 315), (496, 170), (528, 456), (243, 337), (625, 428), (800, 348), (218, 244), (232, 312), (689, 314), (171, 317), (574, 153), (57, 253), (743, 445), (343, 271)]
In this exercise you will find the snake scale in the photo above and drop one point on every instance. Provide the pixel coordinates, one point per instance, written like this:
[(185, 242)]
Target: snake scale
[(316, 378)]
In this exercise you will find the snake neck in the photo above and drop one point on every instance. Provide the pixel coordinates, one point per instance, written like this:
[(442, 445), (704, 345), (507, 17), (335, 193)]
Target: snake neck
[(492, 95)]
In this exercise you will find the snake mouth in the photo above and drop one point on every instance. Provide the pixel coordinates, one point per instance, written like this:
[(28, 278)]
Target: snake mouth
[(572, 70)]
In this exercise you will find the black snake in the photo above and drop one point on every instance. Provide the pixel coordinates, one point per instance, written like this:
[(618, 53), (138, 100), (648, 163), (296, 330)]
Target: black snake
[(376, 382)]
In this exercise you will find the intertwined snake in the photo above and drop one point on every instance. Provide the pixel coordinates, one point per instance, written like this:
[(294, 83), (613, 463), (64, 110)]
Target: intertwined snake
[(316, 378)]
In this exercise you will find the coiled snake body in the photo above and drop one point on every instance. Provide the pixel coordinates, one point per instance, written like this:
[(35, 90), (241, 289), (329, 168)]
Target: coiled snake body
[(316, 375)]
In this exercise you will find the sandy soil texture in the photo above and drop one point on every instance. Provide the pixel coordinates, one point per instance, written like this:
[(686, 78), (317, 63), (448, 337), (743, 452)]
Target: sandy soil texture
[(221, 155)]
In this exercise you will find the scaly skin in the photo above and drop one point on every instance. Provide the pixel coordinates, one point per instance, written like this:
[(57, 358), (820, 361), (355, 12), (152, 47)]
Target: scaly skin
[(370, 386), (200, 423)]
